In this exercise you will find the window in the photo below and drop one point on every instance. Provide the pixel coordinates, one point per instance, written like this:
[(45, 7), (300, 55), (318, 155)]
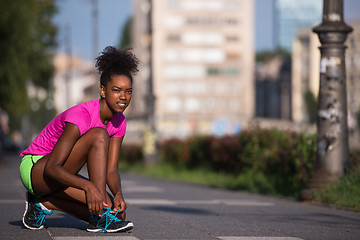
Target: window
[(175, 71), (173, 38), (213, 71)]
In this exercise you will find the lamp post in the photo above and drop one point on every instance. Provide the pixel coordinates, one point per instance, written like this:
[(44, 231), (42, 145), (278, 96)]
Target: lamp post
[(332, 131), (149, 146)]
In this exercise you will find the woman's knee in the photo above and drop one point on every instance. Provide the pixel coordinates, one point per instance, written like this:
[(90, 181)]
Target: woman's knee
[(99, 137)]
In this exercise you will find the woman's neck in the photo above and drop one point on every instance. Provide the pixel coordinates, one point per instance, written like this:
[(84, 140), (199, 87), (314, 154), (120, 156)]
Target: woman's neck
[(105, 113)]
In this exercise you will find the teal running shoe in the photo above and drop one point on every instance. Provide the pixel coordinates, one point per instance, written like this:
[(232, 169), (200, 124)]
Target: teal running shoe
[(34, 215), (108, 222)]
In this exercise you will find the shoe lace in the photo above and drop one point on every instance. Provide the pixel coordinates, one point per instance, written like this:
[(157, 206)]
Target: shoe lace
[(109, 218), (40, 215)]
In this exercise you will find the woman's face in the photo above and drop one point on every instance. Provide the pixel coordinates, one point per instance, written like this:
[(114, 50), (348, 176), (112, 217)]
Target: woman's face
[(117, 93)]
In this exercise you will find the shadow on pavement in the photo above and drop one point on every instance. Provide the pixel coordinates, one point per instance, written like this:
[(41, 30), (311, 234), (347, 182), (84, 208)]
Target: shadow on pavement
[(178, 210), (60, 221)]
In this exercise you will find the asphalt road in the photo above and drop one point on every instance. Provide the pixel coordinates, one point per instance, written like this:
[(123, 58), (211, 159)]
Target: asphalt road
[(171, 210)]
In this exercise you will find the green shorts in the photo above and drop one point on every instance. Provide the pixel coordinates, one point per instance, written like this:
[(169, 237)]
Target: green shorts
[(26, 165)]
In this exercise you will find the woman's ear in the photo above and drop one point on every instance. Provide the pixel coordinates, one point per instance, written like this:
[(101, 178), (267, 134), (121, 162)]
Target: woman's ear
[(102, 91)]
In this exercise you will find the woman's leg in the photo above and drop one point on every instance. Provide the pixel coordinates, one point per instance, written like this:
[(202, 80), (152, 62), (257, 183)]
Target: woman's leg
[(65, 203), (91, 148), (72, 201)]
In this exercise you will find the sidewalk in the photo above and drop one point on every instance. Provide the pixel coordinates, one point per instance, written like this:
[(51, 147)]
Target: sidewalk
[(173, 210)]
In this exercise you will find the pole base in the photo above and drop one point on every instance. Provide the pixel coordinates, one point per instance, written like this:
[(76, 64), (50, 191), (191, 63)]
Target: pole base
[(320, 180)]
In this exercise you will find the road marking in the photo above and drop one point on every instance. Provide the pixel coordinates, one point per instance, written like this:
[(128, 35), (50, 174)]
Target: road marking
[(97, 238), (260, 238), (198, 202), (248, 203), (149, 202), (142, 189)]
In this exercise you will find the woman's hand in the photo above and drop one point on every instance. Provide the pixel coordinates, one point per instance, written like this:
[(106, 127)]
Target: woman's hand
[(94, 199), (120, 204)]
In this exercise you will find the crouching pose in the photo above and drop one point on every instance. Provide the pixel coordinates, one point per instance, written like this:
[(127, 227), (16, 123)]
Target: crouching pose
[(90, 133)]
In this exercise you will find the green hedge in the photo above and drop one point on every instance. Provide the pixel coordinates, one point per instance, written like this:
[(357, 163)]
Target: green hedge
[(281, 161), (262, 161), (131, 153)]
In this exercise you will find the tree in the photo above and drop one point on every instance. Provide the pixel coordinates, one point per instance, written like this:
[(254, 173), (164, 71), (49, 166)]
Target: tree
[(126, 38), (311, 106), (27, 42), (263, 56)]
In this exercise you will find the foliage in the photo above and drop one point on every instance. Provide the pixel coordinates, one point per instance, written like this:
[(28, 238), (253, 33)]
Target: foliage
[(259, 161), (358, 117), (27, 38), (263, 56), (126, 38), (345, 192), (311, 106), (131, 153), (275, 161)]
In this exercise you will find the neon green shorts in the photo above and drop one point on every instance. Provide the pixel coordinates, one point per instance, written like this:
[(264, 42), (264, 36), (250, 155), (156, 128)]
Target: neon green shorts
[(26, 165)]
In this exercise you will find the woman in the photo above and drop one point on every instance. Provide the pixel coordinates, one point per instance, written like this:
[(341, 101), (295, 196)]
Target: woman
[(89, 133)]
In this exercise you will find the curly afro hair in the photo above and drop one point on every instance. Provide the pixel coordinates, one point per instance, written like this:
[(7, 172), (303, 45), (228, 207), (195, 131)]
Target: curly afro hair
[(113, 61)]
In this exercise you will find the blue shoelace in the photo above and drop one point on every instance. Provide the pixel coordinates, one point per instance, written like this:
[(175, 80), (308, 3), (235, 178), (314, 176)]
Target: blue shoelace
[(110, 217), (40, 216)]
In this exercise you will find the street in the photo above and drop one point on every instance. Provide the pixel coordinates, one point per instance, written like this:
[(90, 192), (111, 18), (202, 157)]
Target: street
[(171, 210)]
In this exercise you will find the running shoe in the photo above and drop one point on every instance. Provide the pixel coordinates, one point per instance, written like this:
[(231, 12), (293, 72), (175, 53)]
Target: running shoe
[(34, 215), (108, 222)]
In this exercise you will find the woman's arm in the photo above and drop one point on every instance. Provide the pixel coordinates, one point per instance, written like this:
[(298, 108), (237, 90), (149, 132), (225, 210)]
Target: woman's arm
[(113, 176)]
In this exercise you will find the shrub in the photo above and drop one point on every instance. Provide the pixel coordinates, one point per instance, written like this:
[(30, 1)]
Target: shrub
[(131, 153), (284, 159)]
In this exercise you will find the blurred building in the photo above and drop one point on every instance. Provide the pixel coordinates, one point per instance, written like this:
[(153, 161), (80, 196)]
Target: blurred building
[(290, 15), (199, 55), (353, 70), (306, 72), (75, 81), (273, 89)]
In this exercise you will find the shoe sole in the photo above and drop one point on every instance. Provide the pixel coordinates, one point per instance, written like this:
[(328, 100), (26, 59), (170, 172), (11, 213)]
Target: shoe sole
[(128, 227), (23, 219)]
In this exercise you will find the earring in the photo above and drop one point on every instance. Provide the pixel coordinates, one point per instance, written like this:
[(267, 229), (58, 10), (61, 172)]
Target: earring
[(103, 97)]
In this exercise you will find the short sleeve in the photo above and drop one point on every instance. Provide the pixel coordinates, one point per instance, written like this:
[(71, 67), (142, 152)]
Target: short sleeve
[(121, 129), (80, 117)]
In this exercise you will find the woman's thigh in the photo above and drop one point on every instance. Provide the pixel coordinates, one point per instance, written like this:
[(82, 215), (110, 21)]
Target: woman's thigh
[(77, 158)]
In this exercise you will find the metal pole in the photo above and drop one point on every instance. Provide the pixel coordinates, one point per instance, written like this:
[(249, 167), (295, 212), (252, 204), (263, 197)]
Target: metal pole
[(332, 130), (150, 149), (69, 65), (95, 28)]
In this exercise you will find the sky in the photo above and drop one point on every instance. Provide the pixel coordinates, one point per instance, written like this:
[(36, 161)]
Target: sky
[(112, 15), (77, 15)]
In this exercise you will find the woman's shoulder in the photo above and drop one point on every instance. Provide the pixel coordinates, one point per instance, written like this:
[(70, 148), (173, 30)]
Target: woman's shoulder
[(87, 106), (90, 104)]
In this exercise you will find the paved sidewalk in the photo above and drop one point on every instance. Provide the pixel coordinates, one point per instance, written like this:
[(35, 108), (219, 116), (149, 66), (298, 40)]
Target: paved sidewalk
[(172, 210)]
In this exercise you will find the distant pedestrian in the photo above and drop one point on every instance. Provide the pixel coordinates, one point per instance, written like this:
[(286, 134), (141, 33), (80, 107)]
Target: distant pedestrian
[(89, 133)]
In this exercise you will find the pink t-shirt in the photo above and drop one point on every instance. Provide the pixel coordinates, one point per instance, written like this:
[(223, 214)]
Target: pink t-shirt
[(85, 116)]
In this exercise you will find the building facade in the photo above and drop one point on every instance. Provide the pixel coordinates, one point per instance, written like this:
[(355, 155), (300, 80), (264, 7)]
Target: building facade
[(305, 72), (202, 63), (75, 81), (290, 15)]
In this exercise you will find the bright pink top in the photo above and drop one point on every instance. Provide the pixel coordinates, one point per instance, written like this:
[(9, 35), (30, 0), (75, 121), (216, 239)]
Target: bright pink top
[(85, 116)]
